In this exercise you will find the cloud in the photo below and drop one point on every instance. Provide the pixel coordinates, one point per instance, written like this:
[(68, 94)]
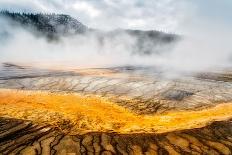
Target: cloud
[(86, 8), (110, 14)]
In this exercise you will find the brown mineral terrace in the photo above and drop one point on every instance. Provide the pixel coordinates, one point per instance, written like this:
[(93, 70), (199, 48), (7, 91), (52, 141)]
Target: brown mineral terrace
[(26, 138)]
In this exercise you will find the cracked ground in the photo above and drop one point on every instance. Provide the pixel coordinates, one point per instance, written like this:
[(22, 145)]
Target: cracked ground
[(121, 110)]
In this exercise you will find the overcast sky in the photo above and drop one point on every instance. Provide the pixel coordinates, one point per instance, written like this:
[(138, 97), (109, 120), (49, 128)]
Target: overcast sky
[(166, 15)]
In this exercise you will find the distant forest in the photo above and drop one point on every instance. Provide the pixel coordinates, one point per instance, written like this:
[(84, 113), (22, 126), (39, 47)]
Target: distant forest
[(53, 26), (49, 24)]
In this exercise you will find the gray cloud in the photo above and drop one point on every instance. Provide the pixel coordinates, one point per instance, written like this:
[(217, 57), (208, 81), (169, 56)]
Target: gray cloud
[(110, 14)]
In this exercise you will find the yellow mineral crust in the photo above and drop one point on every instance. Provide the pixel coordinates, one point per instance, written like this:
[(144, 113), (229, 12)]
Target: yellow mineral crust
[(76, 113)]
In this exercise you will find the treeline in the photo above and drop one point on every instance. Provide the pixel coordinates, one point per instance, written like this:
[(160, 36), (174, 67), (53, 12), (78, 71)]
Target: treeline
[(54, 25), (35, 20), (50, 24), (11, 13), (31, 21)]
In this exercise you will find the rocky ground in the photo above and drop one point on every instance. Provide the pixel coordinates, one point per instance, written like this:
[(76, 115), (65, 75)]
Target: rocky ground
[(134, 89)]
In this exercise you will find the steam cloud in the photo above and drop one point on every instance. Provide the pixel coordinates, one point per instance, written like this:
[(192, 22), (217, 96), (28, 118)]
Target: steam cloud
[(205, 45), (82, 50)]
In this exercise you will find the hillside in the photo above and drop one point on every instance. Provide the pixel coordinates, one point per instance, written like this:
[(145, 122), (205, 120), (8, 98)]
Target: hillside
[(55, 26), (49, 25)]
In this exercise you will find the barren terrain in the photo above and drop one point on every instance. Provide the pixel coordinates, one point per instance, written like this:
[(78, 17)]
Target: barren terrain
[(122, 110)]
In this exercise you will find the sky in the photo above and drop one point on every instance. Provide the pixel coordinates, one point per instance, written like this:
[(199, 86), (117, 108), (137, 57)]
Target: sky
[(165, 15), (215, 9)]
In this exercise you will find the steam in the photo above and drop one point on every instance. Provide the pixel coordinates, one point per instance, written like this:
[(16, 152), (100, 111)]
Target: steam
[(87, 50), (205, 45)]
